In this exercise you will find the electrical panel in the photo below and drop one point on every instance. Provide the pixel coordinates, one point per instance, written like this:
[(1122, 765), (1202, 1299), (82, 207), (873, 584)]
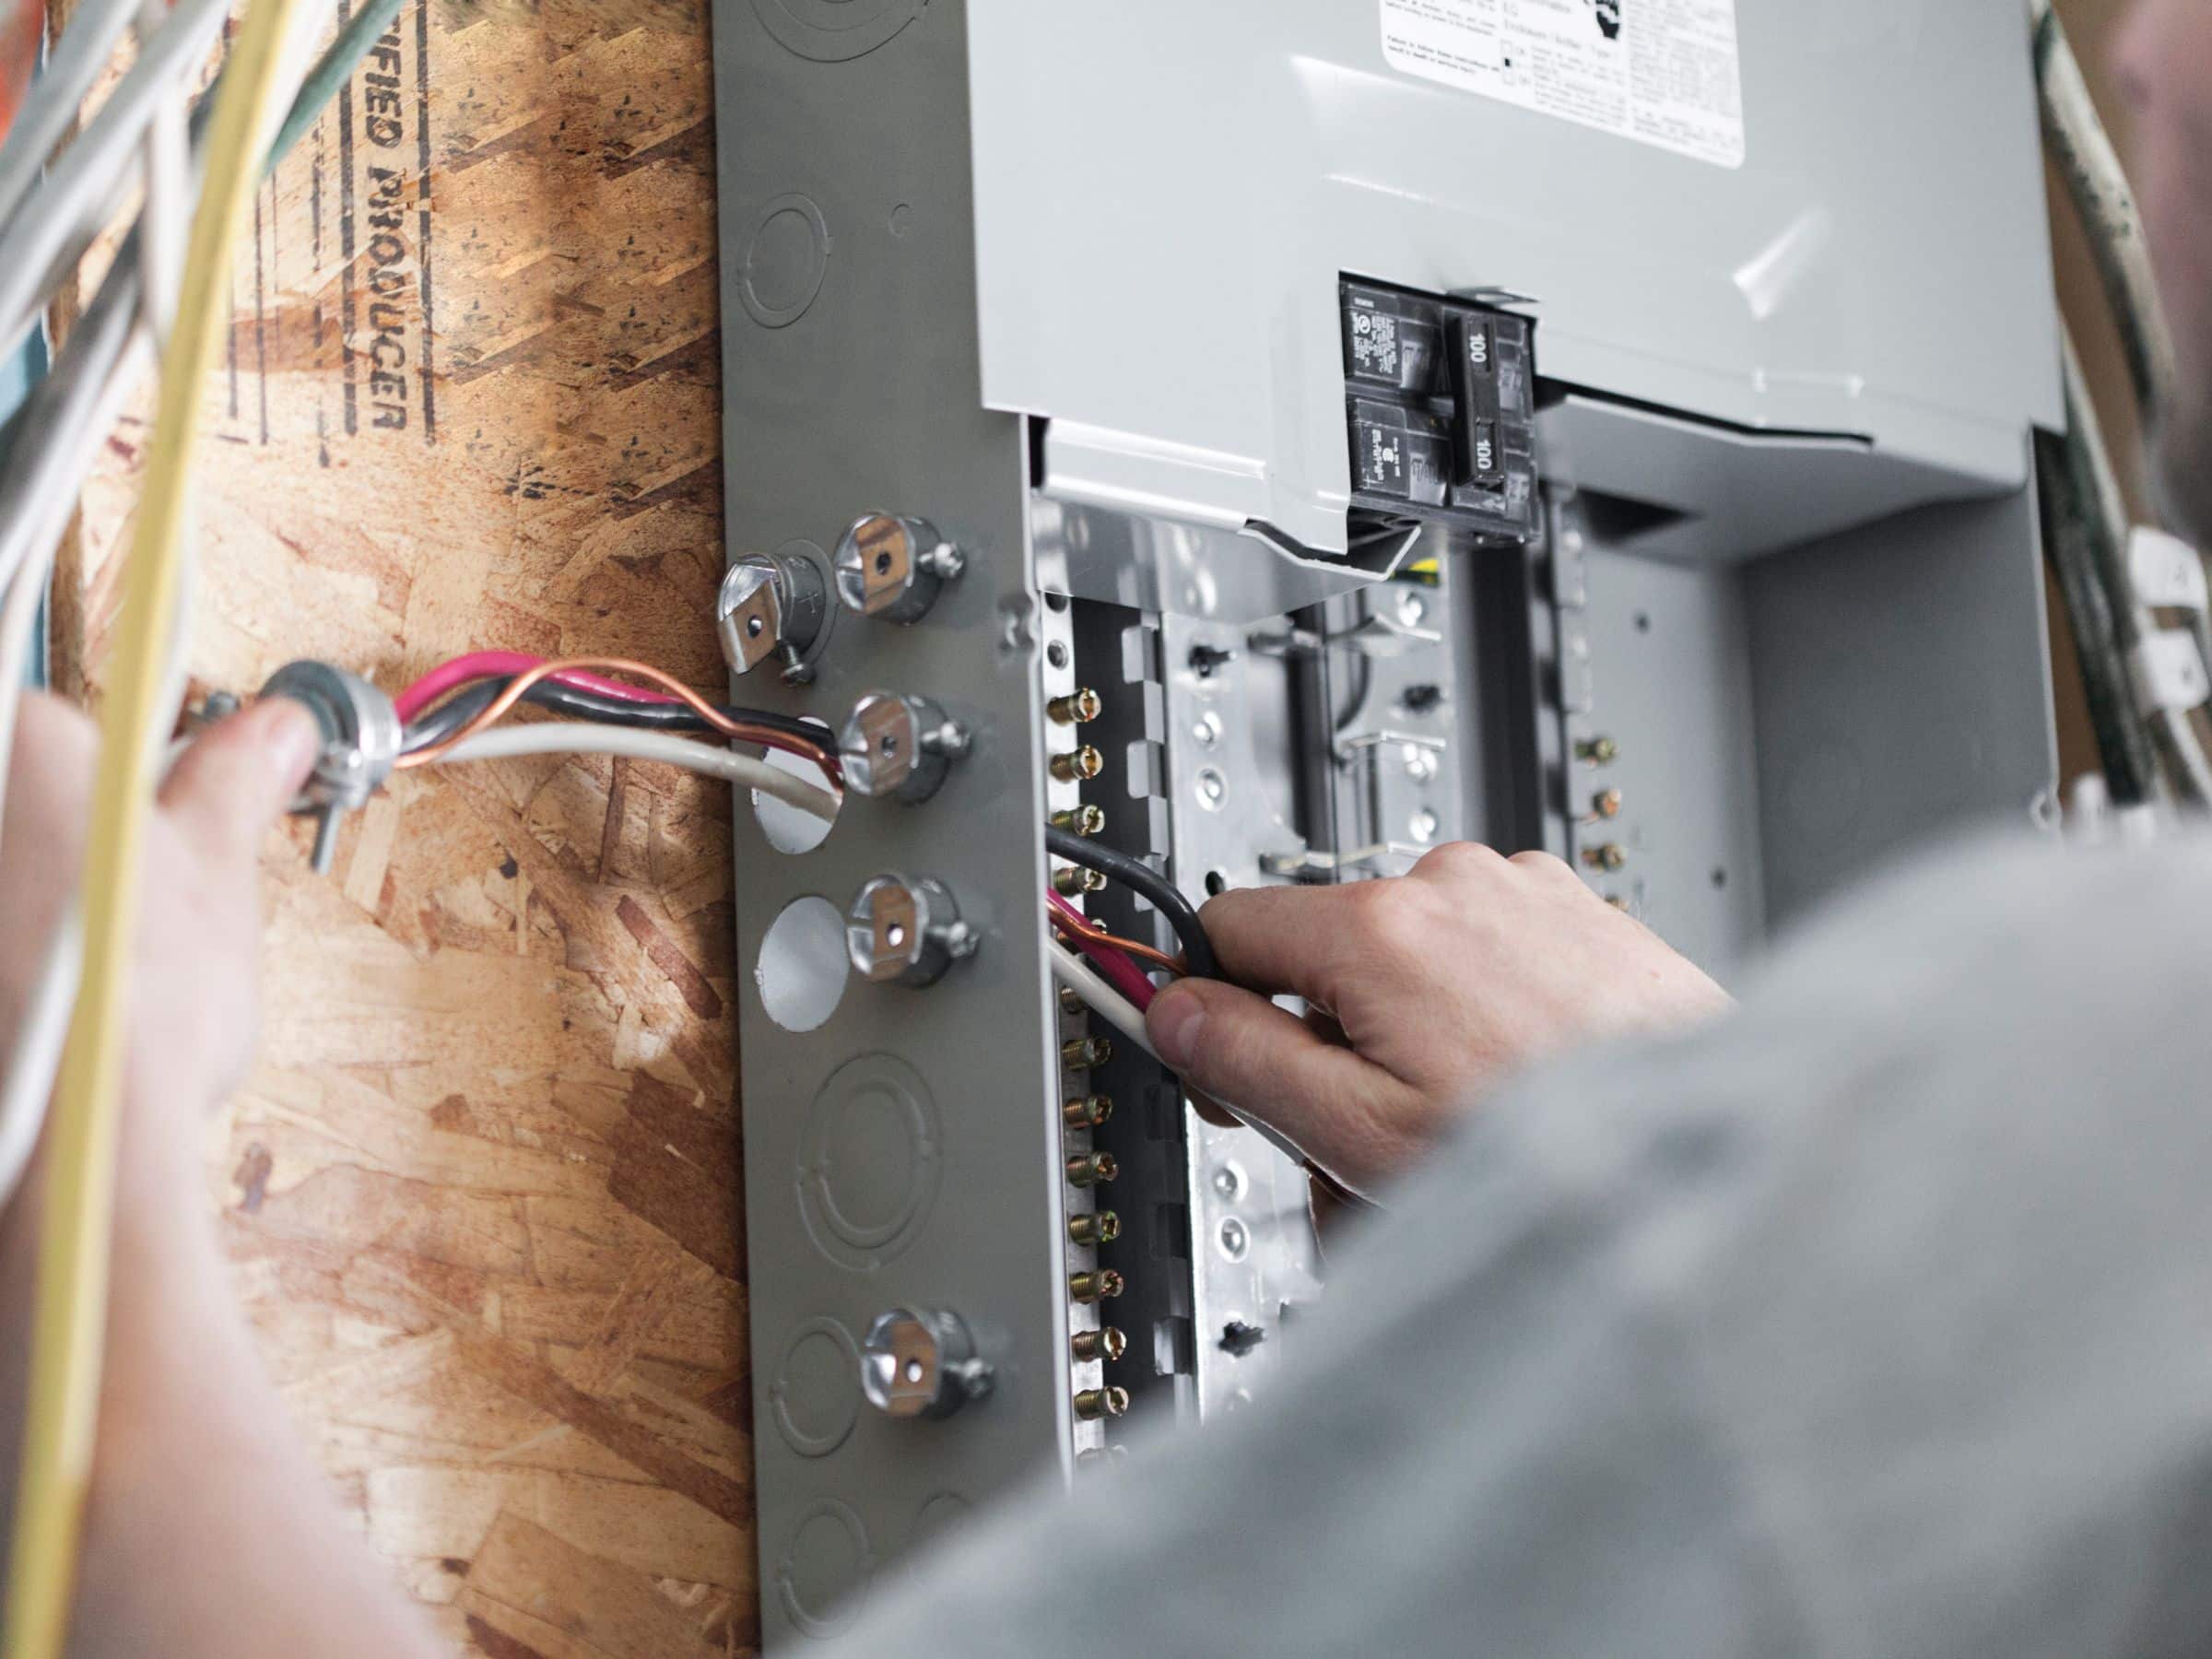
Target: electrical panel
[(1179, 426)]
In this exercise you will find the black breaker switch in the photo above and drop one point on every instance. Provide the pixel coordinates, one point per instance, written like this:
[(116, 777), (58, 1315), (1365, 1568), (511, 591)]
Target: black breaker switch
[(1440, 399)]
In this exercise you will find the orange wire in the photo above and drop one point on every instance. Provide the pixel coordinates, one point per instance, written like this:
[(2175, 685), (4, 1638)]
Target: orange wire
[(736, 729), (1099, 935)]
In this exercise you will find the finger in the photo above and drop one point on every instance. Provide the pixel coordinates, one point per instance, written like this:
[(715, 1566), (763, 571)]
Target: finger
[(42, 843), (1344, 1112), (1279, 940), (240, 775), (1213, 1112), (1324, 1025), (50, 781)]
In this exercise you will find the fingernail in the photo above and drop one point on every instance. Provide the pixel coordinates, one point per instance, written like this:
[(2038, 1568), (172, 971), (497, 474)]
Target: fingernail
[(293, 738), (1176, 1023)]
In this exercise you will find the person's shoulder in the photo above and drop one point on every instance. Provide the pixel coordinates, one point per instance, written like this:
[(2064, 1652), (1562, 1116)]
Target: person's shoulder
[(2005, 925)]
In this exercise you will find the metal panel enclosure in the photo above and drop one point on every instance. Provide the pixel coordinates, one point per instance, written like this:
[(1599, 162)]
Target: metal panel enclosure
[(1063, 280), (849, 363)]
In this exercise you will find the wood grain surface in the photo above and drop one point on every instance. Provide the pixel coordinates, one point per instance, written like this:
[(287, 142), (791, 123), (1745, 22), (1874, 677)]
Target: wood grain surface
[(483, 1194)]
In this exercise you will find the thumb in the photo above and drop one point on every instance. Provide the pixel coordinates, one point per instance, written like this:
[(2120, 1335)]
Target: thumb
[(240, 775), (1344, 1112)]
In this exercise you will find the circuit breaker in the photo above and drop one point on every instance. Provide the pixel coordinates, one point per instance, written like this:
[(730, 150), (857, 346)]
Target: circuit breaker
[(1270, 441), (1441, 412)]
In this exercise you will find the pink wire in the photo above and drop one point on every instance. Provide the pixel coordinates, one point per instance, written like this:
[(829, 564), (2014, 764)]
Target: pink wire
[(1119, 970), (498, 664)]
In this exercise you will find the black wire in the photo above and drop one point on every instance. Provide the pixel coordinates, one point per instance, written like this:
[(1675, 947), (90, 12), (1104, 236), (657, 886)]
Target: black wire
[(1143, 879), (2122, 733), (450, 716), (465, 704)]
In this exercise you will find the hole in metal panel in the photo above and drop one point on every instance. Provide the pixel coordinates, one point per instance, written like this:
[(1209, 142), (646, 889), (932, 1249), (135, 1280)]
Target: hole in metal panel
[(803, 964)]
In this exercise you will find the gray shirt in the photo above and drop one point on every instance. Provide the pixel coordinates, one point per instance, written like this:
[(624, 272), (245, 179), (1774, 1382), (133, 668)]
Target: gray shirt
[(1875, 1319)]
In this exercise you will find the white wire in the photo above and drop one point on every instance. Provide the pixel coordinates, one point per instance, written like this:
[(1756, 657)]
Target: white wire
[(43, 484), (27, 540), (27, 1085), (1099, 997), (35, 1056), (18, 622), (547, 738), (57, 95), (60, 218), (1122, 1014), (2089, 162), (166, 220), (2185, 753)]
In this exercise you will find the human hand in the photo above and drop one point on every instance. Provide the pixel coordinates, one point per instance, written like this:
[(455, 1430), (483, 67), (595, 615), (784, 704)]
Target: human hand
[(194, 1475), (194, 1002), (1426, 992)]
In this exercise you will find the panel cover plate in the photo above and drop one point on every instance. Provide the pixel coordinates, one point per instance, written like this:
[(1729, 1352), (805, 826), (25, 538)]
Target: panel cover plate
[(1166, 194)]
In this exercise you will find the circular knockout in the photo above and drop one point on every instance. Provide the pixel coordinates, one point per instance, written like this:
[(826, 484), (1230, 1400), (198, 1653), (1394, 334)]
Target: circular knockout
[(835, 31), (785, 259), (871, 1156)]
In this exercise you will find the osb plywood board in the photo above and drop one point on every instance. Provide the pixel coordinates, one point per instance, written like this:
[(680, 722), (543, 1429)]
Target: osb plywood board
[(483, 1194)]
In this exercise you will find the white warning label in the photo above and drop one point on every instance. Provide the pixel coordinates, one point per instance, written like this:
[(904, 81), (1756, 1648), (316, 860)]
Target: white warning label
[(1662, 72)]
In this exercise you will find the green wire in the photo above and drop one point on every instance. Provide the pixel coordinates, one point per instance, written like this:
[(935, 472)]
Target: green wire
[(333, 70)]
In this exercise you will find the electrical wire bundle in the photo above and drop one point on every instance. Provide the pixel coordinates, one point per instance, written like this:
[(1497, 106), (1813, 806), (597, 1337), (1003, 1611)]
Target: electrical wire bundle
[(161, 296), (1109, 972), (2145, 736), (454, 713)]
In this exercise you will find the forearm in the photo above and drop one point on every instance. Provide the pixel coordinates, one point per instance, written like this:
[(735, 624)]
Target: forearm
[(214, 1531), (209, 1530)]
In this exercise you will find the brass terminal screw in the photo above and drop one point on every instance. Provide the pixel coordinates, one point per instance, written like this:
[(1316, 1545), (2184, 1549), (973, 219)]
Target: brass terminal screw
[(1605, 804), (1087, 1169), (1086, 1112), (1105, 1343), (1076, 708), (1101, 1228), (1610, 856), (1095, 1402), (1101, 1286), (1072, 881), (1082, 820), (1070, 1003), (1078, 766), (1598, 752), (1085, 1053)]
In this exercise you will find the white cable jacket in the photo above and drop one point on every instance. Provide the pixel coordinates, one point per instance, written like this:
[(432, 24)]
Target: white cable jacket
[(58, 93), (1119, 1013), (36, 1055), (2089, 165), (32, 539), (60, 218), (1099, 997), (547, 738), (165, 223)]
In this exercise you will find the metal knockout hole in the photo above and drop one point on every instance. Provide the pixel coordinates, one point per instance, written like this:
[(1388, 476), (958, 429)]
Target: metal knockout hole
[(801, 968), (787, 827)]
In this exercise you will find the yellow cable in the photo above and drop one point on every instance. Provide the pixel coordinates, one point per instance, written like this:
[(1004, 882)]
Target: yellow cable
[(79, 1198)]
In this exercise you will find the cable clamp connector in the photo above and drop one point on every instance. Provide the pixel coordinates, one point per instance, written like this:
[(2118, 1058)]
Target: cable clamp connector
[(362, 737)]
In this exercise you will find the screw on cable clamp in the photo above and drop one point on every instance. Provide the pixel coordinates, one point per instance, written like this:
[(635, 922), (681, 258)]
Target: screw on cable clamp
[(362, 737)]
